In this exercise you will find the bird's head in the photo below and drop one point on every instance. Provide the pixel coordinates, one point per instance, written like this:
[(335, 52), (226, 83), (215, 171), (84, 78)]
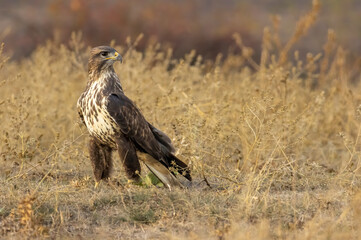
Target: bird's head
[(102, 58)]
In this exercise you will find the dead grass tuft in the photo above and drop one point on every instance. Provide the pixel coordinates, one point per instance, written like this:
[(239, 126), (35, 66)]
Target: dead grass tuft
[(23, 221), (274, 146)]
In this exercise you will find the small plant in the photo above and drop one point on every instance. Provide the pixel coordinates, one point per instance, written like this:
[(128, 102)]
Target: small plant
[(23, 220)]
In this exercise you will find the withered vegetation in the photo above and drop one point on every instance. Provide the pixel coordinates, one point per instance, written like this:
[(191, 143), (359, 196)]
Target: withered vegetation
[(274, 146)]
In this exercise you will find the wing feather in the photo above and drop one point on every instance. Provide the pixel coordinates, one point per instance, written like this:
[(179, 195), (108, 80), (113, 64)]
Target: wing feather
[(145, 137), (133, 124), (162, 138)]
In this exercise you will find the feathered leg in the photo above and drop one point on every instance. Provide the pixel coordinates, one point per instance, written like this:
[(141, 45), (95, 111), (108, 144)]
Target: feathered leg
[(108, 163), (128, 155), (96, 158), (101, 159)]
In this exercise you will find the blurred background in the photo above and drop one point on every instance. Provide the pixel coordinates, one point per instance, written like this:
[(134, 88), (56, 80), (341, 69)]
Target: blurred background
[(204, 25)]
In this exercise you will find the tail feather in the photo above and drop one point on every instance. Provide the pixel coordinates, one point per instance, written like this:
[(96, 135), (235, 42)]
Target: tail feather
[(179, 166), (162, 173), (167, 149)]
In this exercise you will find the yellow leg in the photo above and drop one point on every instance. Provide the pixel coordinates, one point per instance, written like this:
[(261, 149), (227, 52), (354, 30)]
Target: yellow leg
[(96, 184)]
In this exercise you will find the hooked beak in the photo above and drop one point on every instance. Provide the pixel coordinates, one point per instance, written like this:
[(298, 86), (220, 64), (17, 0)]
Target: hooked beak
[(116, 57)]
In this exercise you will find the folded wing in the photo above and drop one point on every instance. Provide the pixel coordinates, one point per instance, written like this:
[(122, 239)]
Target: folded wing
[(146, 137)]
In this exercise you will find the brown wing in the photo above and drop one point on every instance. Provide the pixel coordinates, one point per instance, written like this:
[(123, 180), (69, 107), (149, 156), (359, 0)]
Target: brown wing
[(144, 136), (162, 138), (133, 125)]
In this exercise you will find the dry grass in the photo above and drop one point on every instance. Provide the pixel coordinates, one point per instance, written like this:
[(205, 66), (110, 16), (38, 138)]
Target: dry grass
[(278, 144)]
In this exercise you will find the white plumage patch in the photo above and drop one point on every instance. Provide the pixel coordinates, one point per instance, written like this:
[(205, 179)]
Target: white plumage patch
[(94, 108)]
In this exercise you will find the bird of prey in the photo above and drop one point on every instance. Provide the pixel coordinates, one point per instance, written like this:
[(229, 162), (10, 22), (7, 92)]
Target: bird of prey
[(115, 123)]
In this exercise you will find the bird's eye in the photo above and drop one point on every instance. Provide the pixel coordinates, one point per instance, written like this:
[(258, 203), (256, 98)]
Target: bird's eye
[(104, 54)]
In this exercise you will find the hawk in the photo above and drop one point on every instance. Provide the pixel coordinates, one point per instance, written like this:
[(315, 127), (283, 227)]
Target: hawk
[(115, 123)]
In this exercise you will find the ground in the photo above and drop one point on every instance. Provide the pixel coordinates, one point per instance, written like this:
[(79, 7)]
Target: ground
[(273, 146)]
